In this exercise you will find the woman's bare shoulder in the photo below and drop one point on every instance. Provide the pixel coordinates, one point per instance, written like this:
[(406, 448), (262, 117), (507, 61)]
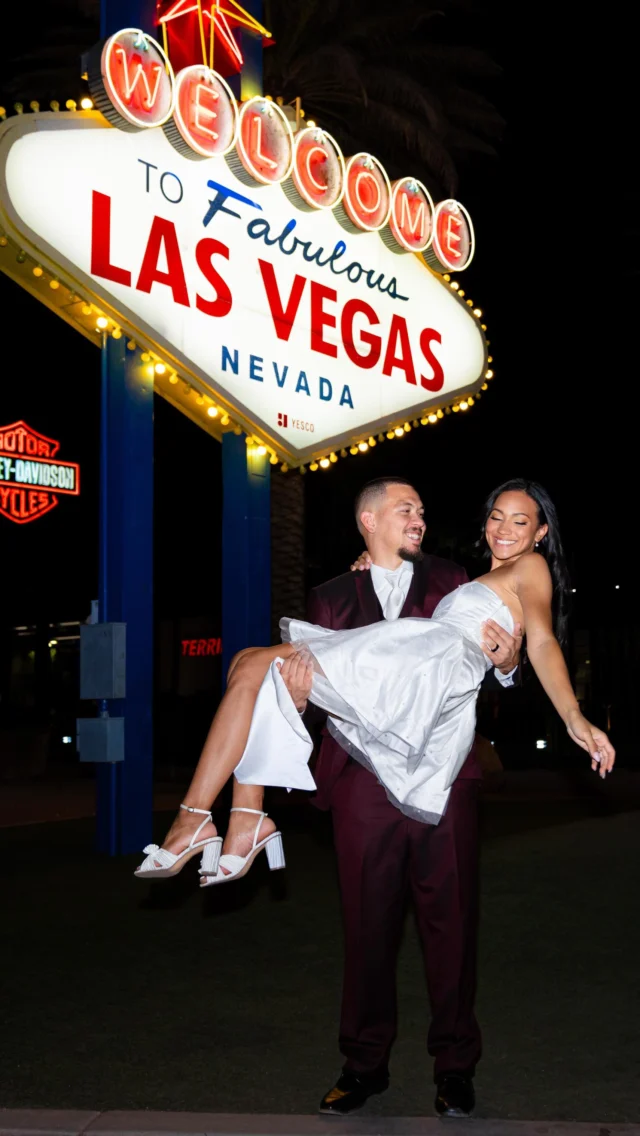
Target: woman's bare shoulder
[(532, 569)]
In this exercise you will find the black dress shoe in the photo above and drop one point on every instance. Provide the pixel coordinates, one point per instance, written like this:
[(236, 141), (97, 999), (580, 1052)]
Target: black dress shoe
[(455, 1096), (351, 1091)]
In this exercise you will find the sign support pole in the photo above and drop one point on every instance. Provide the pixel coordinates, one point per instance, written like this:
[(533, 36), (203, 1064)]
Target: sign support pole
[(246, 548), (125, 789)]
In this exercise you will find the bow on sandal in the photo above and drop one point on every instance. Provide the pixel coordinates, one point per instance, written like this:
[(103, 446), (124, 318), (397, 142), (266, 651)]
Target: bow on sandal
[(161, 864), (236, 866)]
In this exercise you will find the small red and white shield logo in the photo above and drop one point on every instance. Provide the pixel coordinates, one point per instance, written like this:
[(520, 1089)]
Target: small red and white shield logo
[(30, 472)]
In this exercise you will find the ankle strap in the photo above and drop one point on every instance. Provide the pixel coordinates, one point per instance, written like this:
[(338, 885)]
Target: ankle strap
[(203, 812), (256, 812)]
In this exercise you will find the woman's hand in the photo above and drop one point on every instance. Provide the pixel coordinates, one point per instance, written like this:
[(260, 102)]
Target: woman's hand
[(593, 740), (363, 563)]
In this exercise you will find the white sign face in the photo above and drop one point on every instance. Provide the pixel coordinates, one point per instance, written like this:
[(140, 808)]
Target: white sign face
[(315, 334)]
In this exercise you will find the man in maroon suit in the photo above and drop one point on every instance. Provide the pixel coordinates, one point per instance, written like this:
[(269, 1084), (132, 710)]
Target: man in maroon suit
[(381, 853)]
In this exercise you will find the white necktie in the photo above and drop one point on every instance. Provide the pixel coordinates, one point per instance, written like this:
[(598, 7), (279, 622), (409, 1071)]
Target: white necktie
[(395, 600)]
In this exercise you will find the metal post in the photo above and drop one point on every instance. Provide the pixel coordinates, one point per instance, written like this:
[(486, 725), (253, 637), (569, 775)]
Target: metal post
[(246, 548), (125, 791)]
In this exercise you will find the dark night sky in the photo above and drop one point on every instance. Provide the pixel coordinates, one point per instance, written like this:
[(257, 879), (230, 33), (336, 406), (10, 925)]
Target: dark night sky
[(560, 409)]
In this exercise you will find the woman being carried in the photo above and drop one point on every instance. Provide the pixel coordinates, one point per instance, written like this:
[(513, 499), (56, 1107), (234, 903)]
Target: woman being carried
[(400, 695)]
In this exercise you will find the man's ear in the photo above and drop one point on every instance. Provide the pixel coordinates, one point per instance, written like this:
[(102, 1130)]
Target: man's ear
[(368, 522)]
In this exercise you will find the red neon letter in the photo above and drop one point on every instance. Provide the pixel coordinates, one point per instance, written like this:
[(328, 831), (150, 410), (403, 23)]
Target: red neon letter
[(101, 242), (163, 232), (205, 250), (283, 318), (403, 361), (426, 338), (374, 342), (320, 318), (140, 77)]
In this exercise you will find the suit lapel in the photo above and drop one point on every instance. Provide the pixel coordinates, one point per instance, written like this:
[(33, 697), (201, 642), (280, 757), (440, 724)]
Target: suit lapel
[(414, 603), (368, 604)]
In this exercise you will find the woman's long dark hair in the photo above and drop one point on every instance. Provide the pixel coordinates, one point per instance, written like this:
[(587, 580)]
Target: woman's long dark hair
[(550, 546)]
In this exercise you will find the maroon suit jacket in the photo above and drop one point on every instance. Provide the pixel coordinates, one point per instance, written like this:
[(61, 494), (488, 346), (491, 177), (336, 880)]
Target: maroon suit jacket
[(350, 601)]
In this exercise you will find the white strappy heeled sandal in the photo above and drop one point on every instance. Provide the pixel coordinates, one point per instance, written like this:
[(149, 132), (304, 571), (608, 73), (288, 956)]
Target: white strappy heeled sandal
[(237, 866), (161, 864)]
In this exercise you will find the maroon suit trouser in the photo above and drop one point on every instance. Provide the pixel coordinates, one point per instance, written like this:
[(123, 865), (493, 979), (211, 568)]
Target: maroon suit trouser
[(382, 855)]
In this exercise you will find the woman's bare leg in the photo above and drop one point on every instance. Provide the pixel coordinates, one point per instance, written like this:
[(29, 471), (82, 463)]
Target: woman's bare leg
[(225, 742)]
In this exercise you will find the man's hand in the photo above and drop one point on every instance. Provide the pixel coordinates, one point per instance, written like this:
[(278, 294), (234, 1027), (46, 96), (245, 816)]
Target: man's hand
[(297, 673), (362, 564), (507, 655)]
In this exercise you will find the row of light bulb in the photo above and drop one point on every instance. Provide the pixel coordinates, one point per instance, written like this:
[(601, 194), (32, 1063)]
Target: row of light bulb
[(85, 103)]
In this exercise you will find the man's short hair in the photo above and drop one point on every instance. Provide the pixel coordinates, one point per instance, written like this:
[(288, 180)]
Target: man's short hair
[(372, 493)]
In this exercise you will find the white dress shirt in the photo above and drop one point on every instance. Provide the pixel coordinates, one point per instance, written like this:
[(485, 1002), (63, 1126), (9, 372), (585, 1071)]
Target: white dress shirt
[(392, 587)]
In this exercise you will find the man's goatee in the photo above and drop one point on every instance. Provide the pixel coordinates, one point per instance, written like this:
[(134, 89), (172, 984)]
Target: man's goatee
[(409, 555)]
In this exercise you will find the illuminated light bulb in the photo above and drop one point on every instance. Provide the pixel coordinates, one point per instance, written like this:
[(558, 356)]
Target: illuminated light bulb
[(353, 450), (34, 105), (391, 434), (212, 411), (116, 333), (146, 358), (407, 427), (310, 124), (324, 463), (343, 453), (439, 414), (71, 104), (464, 405), (423, 421), (398, 431), (469, 401), (372, 441), (160, 368), (249, 440), (55, 105), (284, 467), (460, 291), (488, 374), (446, 277), (237, 431), (470, 303), (54, 284), (86, 309), (101, 322), (224, 421), (489, 358), (3, 241), (333, 457), (131, 345), (454, 284), (455, 408), (484, 387), (3, 112), (433, 418), (363, 447), (261, 451), (86, 103), (38, 270), (484, 328), (273, 460), (477, 312), (200, 398), (313, 467)]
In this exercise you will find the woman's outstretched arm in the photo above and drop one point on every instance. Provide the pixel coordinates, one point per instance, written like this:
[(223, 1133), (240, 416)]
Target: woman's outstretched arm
[(535, 591)]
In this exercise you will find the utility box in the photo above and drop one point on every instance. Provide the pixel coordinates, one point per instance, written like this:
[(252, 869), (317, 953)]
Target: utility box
[(100, 739), (103, 661)]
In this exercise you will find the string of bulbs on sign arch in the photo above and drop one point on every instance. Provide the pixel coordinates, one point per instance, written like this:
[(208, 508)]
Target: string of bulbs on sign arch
[(360, 191)]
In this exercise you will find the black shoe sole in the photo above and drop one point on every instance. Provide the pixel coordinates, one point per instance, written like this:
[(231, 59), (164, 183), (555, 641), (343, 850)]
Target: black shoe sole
[(335, 1112)]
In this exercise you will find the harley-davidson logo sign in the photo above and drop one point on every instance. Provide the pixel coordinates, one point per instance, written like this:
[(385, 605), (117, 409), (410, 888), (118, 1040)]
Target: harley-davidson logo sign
[(31, 477)]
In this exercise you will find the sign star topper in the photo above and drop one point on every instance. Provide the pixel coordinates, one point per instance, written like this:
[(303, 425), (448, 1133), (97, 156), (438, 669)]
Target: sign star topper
[(213, 18)]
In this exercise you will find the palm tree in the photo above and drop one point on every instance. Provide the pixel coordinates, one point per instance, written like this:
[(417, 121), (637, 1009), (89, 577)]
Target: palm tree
[(389, 79)]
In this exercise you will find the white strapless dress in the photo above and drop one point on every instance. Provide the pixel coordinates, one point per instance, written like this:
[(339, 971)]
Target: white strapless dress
[(401, 699)]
